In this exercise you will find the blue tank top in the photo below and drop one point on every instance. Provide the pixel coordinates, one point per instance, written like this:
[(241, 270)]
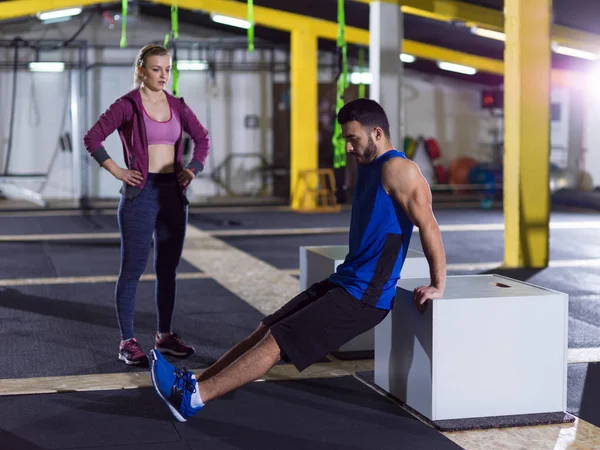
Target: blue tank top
[(380, 233)]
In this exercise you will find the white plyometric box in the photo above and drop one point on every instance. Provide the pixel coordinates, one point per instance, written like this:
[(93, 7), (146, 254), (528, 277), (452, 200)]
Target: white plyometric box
[(318, 262), (491, 347)]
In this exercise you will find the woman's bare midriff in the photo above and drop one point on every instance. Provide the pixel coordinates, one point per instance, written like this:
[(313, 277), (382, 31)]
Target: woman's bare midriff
[(161, 158)]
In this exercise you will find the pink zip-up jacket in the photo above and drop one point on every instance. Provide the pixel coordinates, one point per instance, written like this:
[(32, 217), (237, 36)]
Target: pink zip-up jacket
[(126, 116)]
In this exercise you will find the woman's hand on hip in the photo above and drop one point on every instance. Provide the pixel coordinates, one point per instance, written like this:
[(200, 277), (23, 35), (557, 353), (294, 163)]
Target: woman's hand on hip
[(185, 177), (131, 177)]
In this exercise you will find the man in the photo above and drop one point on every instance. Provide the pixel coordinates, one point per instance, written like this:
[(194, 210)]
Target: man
[(391, 196)]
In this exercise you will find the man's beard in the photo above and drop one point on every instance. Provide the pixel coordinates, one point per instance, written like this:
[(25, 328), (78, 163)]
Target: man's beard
[(369, 154)]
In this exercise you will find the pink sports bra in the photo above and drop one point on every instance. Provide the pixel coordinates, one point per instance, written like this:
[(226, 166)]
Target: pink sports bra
[(162, 132)]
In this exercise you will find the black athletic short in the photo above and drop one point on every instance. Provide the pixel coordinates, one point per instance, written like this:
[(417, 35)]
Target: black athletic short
[(319, 321)]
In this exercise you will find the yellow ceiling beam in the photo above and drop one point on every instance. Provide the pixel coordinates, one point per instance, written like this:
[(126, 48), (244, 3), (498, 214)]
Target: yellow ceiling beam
[(273, 18), (426, 51), (267, 17), (559, 77), (571, 37), (443, 10), (473, 15), (446, 10)]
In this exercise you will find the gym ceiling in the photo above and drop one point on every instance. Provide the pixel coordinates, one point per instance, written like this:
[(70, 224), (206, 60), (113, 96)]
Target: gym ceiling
[(442, 24)]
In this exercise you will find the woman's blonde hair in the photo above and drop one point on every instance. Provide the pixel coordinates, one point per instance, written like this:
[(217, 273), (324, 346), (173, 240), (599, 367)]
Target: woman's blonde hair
[(142, 57)]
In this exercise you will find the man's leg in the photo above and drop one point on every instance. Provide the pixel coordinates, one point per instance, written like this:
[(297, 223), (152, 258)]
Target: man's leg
[(234, 353), (181, 391), (252, 365), (302, 300), (184, 394)]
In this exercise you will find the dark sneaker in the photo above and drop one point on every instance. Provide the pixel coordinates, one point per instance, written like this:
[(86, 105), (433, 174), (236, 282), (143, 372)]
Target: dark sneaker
[(131, 352), (174, 386), (172, 345)]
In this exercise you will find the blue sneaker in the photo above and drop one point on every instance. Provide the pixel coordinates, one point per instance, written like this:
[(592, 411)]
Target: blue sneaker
[(174, 386)]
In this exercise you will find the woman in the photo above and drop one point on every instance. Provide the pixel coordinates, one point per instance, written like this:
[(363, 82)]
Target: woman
[(150, 123)]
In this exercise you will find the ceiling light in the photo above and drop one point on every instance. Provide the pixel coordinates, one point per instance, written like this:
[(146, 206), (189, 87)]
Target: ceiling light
[(491, 34), (192, 65), (407, 58), (361, 77), (568, 51), (451, 67), (50, 15), (46, 66), (231, 21)]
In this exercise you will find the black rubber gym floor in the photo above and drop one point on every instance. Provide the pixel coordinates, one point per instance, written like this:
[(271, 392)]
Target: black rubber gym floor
[(75, 258), (107, 223), (24, 225), (327, 414), (283, 251), (461, 246), (584, 392), (268, 220), (71, 329), (281, 219)]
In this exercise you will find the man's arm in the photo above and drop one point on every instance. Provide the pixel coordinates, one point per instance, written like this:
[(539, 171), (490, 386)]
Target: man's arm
[(404, 182)]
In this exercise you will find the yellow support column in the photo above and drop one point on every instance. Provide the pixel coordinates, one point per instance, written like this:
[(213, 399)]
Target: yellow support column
[(527, 132), (304, 123)]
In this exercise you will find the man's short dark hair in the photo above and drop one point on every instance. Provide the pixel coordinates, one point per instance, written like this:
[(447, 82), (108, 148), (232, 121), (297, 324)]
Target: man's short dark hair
[(367, 112)]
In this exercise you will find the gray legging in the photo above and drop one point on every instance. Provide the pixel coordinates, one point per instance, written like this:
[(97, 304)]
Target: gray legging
[(159, 209)]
